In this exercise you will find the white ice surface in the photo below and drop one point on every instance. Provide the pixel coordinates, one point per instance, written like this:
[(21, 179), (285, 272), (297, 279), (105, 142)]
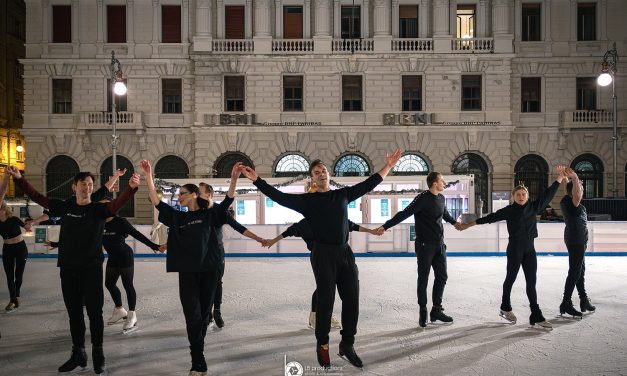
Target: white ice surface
[(266, 306)]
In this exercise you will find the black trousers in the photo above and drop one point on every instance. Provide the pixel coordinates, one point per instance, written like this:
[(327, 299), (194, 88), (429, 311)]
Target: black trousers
[(14, 258), (112, 274), (576, 269), (335, 265), (196, 291), (217, 300), (78, 286), (520, 254), (430, 255)]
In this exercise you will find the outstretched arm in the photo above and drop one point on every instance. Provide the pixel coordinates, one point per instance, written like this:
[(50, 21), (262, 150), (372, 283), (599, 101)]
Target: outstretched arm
[(577, 187), (291, 201), (28, 189), (132, 231), (114, 206), (547, 195), (369, 184), (4, 185), (152, 192)]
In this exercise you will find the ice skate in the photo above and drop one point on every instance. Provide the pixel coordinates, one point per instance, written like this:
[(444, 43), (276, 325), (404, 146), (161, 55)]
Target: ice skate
[(77, 359), (217, 318), (322, 352), (422, 321), (348, 352), (567, 307), (585, 305), (312, 320), (437, 313), (199, 364), (117, 315), (537, 320), (508, 315), (98, 358), (130, 324), (11, 307), (335, 324)]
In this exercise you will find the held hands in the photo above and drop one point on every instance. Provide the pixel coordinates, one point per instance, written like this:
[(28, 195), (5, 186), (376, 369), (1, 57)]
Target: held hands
[(459, 226), (571, 173), (250, 173), (561, 171), (267, 243), (15, 172), (162, 248), (28, 225), (120, 172), (146, 168), (378, 231), (237, 170), (391, 159), (134, 182)]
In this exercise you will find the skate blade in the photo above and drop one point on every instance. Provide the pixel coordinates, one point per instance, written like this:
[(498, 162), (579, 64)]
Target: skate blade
[(570, 317), (349, 362), (116, 322), (513, 322), (540, 327), (131, 330)]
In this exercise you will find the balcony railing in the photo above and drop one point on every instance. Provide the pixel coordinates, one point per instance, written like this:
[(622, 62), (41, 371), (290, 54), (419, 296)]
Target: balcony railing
[(233, 46), (585, 118), (103, 120), (472, 45), (287, 46), (412, 45), (353, 45)]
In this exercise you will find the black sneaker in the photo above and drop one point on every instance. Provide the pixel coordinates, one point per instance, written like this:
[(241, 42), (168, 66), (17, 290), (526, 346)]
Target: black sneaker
[(438, 314), (422, 321), (322, 352), (567, 307), (585, 305), (217, 316), (348, 351), (77, 359), (98, 358)]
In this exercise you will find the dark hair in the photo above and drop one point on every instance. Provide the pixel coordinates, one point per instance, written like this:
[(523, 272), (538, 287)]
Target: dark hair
[(193, 188), (431, 178), (315, 163), (208, 188), (569, 187), (81, 176)]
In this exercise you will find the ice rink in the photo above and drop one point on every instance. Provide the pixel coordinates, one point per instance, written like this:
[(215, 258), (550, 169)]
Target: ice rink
[(266, 306)]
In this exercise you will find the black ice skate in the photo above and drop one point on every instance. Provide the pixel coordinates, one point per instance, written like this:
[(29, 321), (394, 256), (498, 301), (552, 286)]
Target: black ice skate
[(217, 317), (585, 305), (348, 352), (77, 359), (98, 359), (567, 307), (422, 321), (438, 314), (536, 318)]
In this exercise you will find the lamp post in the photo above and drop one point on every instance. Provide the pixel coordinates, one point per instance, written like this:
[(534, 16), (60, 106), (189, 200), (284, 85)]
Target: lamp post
[(608, 76), (119, 88)]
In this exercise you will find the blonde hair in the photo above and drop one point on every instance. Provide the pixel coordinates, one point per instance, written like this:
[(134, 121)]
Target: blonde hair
[(519, 188), (8, 212)]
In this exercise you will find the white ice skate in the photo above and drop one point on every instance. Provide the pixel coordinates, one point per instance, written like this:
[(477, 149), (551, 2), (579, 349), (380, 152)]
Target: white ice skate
[(312, 320), (130, 324), (117, 315), (509, 316), (335, 324)]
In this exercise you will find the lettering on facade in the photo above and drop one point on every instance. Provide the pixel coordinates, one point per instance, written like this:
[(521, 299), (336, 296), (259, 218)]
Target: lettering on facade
[(237, 119), (426, 119)]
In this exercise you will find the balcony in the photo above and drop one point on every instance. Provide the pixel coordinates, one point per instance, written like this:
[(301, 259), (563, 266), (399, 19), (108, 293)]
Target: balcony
[(586, 119), (233, 46), (292, 46), (412, 45), (472, 45), (353, 45), (103, 120)]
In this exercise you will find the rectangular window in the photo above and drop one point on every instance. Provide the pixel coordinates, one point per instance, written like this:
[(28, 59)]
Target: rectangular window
[(351, 93), (292, 22), (17, 108), (234, 93), (466, 17), (292, 93), (408, 21), (171, 89), (586, 93), (116, 23), (530, 94), (61, 24), (62, 96), (586, 21), (120, 100), (234, 22), (471, 93), (531, 16), (412, 93), (171, 23), (351, 22)]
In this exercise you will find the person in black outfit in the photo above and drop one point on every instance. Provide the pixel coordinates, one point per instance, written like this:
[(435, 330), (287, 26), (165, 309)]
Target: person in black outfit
[(301, 229), (332, 259), (576, 239), (521, 217), (206, 193), (194, 252), (121, 264), (428, 208), (80, 259)]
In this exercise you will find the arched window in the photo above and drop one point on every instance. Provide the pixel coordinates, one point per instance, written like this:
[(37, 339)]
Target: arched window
[(171, 167), (411, 164), (471, 163), (532, 171), (60, 172), (589, 168), (106, 169), (224, 164), (351, 165), (291, 165)]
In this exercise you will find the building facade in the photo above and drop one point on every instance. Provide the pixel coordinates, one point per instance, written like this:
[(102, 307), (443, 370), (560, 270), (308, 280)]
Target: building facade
[(500, 89)]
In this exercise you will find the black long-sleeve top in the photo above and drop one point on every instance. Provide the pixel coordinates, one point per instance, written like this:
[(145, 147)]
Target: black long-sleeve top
[(231, 222), (10, 228), (428, 210), (82, 226), (521, 219), (189, 246), (576, 219), (326, 212), (114, 238), (302, 229)]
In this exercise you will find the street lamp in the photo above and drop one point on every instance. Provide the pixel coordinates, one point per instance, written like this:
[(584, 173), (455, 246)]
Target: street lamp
[(119, 88), (608, 76)]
